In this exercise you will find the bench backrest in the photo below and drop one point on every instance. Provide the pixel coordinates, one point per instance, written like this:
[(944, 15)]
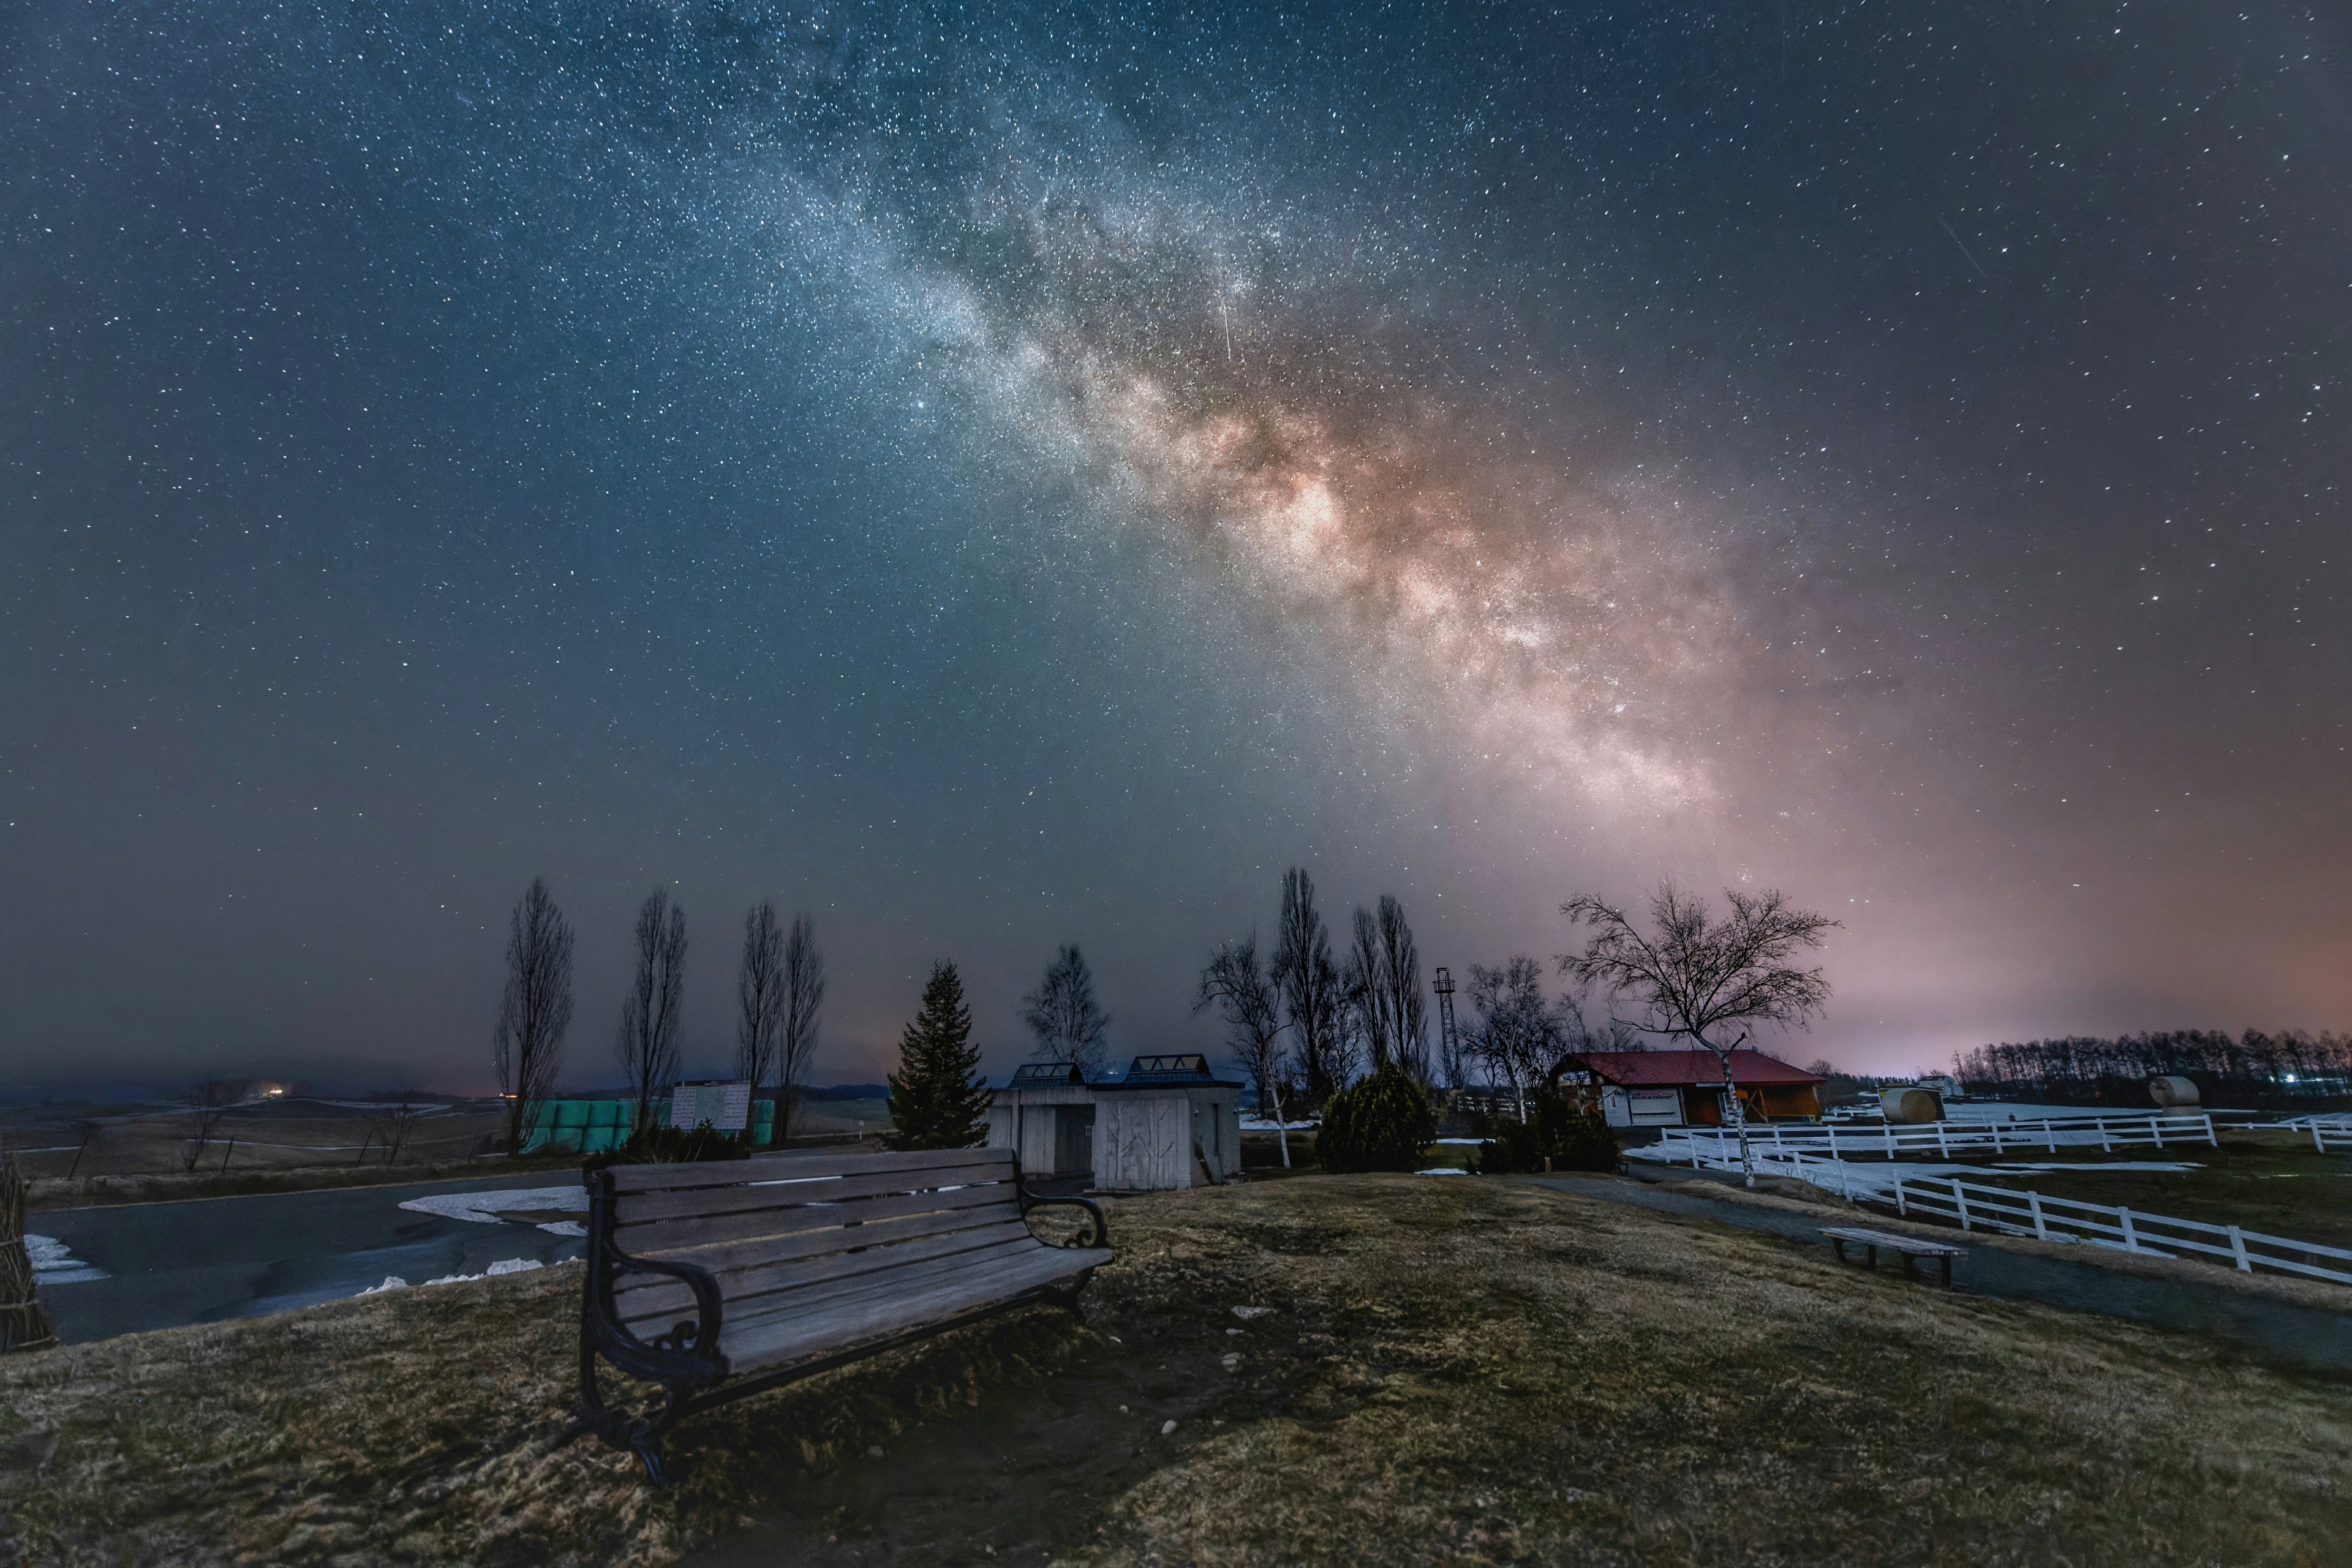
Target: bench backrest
[(780, 1227)]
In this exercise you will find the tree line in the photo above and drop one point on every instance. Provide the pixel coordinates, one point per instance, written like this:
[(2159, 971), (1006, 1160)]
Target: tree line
[(2253, 1066), (778, 990)]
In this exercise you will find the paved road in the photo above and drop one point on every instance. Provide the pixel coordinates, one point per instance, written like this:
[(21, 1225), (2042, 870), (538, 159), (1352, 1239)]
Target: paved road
[(208, 1258), (2311, 1336)]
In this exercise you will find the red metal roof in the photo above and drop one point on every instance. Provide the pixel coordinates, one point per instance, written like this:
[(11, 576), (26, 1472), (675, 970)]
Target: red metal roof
[(1684, 1069)]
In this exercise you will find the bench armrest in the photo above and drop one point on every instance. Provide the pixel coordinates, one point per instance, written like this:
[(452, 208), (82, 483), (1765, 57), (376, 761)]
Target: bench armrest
[(1030, 1200), (687, 1355)]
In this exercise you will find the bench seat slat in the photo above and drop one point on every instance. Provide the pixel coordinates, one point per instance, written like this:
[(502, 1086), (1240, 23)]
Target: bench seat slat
[(698, 1203), (678, 1237), (721, 1257), (887, 1284), (754, 1277), (770, 1340), (793, 1167)]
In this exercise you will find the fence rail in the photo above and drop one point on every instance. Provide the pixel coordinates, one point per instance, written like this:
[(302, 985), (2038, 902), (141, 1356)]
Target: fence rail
[(1973, 1205), (1944, 1139)]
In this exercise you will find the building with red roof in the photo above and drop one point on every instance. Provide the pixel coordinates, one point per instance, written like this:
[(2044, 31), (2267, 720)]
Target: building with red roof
[(1685, 1088)]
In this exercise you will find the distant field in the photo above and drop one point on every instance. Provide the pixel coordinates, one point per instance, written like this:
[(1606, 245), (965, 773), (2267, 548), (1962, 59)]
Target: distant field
[(89, 1140), (2271, 1183)]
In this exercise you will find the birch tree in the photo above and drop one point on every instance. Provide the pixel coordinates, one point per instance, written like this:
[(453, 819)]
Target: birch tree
[(1699, 979), (1233, 980)]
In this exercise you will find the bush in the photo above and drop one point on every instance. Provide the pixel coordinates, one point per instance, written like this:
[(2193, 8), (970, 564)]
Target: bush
[(1570, 1142), (1383, 1123), (672, 1146)]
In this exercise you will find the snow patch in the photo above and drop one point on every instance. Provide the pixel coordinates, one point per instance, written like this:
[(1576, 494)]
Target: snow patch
[(55, 1264), (1443, 1170), (484, 1208)]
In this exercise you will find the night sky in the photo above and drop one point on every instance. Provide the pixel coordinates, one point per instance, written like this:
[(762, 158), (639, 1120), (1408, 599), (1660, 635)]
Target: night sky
[(998, 476)]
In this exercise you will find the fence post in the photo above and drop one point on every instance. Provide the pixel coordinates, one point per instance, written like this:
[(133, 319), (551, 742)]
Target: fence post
[(2315, 1143), (2051, 1133), (2238, 1251), (1889, 1131), (2210, 1140), (2106, 1147), (1900, 1206), (1960, 1201), (1996, 1138), (1942, 1147), (1832, 1140), (2034, 1202), (2131, 1238)]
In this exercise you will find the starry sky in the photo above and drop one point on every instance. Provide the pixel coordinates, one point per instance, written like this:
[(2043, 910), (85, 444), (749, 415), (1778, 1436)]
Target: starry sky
[(996, 476)]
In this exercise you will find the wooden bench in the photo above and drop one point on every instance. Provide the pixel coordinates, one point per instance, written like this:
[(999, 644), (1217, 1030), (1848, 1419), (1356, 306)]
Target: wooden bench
[(1910, 1246), (721, 1280)]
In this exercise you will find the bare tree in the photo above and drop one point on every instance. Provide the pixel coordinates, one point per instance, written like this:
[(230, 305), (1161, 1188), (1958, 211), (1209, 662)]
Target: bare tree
[(1698, 978), (759, 997), (1062, 1013), (207, 1101), (651, 1012), (1371, 1000), (1400, 973), (392, 1121), (1314, 996), (1518, 1035), (1253, 1009), (804, 994), (528, 1047)]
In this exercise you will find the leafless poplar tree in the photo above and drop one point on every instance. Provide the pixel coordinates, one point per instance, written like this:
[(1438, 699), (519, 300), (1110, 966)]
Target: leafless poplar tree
[(1698, 978), (803, 996), (1253, 1009), (652, 1012), (759, 997), (1408, 1010), (1371, 1001), (1063, 1015), (528, 1047), (1314, 996)]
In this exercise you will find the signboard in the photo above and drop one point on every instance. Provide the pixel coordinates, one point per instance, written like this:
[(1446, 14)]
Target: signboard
[(725, 1103)]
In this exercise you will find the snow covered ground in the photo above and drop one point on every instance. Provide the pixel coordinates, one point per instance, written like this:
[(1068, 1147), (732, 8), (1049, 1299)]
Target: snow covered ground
[(503, 1265)]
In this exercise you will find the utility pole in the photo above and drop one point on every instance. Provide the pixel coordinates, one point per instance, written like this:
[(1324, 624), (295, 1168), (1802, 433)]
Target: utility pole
[(1449, 1041)]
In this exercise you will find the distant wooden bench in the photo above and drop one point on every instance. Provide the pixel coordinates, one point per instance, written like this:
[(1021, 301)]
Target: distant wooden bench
[(1910, 1246), (721, 1280)]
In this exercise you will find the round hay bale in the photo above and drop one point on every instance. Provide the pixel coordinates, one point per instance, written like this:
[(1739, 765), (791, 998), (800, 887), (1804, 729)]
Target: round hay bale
[(1910, 1106), (2173, 1092)]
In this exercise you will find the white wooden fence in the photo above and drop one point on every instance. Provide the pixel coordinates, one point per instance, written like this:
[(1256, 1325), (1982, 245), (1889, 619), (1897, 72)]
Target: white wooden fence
[(2327, 1132), (2004, 1211), (1689, 1145)]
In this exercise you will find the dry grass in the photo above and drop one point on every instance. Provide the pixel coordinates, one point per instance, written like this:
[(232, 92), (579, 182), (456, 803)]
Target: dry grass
[(1456, 1372)]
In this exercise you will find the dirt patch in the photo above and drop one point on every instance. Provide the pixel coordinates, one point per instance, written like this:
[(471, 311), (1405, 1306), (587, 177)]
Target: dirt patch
[(1463, 1372)]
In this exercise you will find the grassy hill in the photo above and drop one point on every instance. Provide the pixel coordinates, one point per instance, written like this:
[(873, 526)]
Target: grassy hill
[(1459, 1371)]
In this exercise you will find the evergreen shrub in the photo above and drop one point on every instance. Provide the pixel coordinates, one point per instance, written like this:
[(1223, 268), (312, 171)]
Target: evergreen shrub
[(1570, 1140), (1383, 1123)]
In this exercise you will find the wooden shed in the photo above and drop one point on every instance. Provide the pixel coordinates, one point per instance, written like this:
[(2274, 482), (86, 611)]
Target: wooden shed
[(1685, 1088), (1168, 1122), (1046, 1116)]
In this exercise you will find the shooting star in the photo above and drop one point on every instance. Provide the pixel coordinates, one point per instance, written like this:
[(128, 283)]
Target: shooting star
[(1964, 249)]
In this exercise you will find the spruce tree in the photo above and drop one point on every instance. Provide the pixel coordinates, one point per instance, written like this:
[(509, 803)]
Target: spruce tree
[(936, 1101)]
